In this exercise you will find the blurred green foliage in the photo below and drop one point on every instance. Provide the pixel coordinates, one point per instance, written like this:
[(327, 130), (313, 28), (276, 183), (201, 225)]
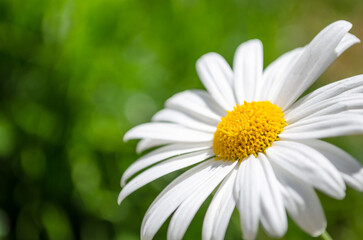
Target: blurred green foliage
[(75, 75)]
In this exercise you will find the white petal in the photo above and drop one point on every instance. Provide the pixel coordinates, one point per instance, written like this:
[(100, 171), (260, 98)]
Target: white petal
[(301, 203), (167, 131), (189, 207), (174, 116), (350, 168), (314, 60), (220, 210), (148, 143), (248, 67), (334, 105), (250, 185), (161, 154), (173, 195), (216, 75), (274, 73), (347, 41), (324, 126), (197, 103), (308, 165), (273, 215), (162, 169), (342, 87)]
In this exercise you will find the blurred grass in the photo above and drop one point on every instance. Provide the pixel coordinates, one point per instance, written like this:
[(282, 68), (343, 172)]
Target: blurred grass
[(75, 75)]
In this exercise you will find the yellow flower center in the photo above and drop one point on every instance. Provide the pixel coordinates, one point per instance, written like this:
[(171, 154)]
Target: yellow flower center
[(249, 129)]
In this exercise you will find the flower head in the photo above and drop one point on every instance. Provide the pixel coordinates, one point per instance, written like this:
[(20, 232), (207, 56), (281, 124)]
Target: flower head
[(250, 137)]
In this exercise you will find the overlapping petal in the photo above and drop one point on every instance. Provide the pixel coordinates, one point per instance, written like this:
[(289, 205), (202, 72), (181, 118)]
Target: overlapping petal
[(325, 126), (273, 215), (167, 131), (159, 155), (188, 208), (173, 195), (216, 75), (308, 165), (312, 62), (337, 89), (248, 192), (184, 119), (301, 202), (220, 210), (197, 103), (162, 169), (350, 169)]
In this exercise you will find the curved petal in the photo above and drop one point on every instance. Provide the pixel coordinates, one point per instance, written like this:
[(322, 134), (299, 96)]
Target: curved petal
[(249, 178), (347, 41), (308, 165), (220, 210), (273, 215), (248, 67), (161, 154), (334, 105), (216, 75), (162, 169), (186, 211), (199, 104), (173, 195), (148, 143), (342, 87), (174, 116), (301, 202), (314, 60), (274, 73), (167, 131), (324, 126), (349, 167)]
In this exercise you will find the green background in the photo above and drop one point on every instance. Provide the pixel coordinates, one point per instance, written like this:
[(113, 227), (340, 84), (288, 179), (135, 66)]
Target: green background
[(76, 75)]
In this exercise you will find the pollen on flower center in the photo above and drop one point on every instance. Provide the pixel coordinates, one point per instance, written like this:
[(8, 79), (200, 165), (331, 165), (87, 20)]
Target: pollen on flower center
[(248, 129)]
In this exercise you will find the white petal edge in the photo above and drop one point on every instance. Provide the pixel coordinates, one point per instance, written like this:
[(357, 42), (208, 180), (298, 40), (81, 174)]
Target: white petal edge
[(334, 105), (273, 215), (347, 41), (161, 154), (173, 195), (183, 216), (301, 202), (275, 73), (167, 131), (342, 87), (324, 126), (248, 67), (348, 166), (174, 116), (248, 191), (147, 143), (197, 103), (314, 60), (220, 210), (162, 169), (215, 74), (308, 165)]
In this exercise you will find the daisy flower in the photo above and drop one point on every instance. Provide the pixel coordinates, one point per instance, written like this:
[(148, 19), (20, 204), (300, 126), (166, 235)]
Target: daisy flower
[(252, 140)]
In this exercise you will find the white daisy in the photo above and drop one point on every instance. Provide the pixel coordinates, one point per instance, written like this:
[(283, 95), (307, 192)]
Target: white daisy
[(250, 138)]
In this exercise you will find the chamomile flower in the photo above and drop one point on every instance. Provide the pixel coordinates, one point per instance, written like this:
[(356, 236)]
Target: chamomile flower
[(249, 138)]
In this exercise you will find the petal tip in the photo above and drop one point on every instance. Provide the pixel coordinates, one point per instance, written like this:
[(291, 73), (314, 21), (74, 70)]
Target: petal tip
[(343, 23), (126, 137), (120, 198), (319, 232)]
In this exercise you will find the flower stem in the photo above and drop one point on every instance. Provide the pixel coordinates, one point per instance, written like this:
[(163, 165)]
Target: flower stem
[(325, 236)]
